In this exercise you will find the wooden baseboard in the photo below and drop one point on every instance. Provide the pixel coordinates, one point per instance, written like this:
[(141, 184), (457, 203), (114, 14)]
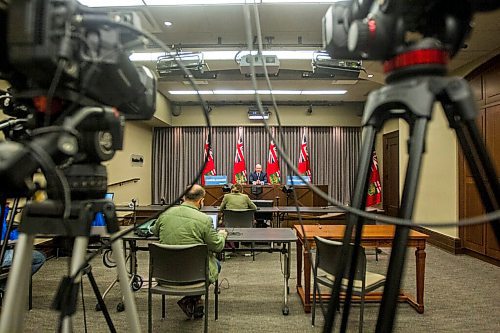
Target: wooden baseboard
[(447, 243), (482, 257)]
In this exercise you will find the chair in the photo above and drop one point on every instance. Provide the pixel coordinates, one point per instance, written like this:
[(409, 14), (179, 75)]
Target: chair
[(327, 254), (239, 219), (259, 216), (180, 270)]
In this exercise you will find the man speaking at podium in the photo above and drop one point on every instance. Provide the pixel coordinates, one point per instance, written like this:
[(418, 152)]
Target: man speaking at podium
[(258, 177)]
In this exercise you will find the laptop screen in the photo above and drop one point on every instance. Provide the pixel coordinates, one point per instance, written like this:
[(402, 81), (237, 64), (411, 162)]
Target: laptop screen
[(215, 218)]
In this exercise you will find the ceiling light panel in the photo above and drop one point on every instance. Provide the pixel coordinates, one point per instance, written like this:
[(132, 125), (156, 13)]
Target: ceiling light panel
[(111, 3)]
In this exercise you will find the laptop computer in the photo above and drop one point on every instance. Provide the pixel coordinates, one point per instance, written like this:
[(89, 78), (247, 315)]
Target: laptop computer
[(215, 220)]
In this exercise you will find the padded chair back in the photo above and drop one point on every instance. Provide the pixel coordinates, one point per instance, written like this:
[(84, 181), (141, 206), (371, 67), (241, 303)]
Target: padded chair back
[(178, 264), (328, 253), (238, 218)]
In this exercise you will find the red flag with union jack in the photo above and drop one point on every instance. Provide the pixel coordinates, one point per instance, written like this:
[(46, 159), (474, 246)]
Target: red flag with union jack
[(239, 168), (304, 166), (209, 169), (273, 167), (374, 195)]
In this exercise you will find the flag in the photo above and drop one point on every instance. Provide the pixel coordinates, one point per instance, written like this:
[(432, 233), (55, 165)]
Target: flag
[(304, 166), (209, 169), (239, 168), (273, 167), (374, 195)]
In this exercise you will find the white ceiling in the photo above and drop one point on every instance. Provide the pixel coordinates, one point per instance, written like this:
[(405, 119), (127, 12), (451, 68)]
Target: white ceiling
[(292, 27)]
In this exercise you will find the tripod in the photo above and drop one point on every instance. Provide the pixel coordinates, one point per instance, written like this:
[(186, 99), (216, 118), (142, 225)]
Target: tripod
[(44, 218), (415, 82)]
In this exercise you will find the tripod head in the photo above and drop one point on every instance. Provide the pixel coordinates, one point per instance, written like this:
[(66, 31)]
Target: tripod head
[(386, 30)]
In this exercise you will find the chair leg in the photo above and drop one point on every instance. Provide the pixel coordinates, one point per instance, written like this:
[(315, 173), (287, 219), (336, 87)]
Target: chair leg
[(216, 299), (253, 252), (313, 314), (30, 294), (162, 306), (206, 310), (361, 312), (376, 253), (150, 315)]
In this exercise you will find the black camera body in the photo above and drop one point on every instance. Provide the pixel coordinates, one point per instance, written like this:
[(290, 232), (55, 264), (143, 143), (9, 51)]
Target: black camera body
[(380, 30), (37, 34), (72, 87)]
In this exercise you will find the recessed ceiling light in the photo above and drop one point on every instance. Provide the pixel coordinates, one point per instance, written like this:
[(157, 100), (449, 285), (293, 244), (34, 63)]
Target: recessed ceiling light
[(262, 92), (370, 75), (168, 23)]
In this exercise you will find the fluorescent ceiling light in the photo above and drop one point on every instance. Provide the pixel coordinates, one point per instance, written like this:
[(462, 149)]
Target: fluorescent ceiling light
[(111, 3), (279, 92), (228, 55), (190, 92), (300, 1), (167, 23), (324, 92), (261, 92), (194, 2), (234, 92)]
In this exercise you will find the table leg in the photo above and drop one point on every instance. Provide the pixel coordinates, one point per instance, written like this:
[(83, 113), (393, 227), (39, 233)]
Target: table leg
[(299, 264), (307, 281), (420, 268), (286, 274)]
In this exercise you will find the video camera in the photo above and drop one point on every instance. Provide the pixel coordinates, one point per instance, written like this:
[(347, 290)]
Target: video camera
[(72, 87), (380, 30)]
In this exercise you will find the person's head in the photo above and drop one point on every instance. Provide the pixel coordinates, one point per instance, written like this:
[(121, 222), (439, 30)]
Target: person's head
[(195, 195), (258, 168), (237, 188)]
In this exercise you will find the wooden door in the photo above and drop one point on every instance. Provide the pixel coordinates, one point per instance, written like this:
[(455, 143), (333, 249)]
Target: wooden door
[(470, 205), (390, 181), (492, 125)]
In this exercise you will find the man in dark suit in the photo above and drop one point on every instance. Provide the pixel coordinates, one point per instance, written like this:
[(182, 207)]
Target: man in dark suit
[(258, 177)]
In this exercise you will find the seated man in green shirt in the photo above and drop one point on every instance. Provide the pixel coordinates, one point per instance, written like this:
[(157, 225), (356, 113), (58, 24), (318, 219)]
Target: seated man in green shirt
[(186, 225), (237, 200)]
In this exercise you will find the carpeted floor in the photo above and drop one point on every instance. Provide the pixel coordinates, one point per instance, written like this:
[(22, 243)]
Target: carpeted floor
[(462, 294)]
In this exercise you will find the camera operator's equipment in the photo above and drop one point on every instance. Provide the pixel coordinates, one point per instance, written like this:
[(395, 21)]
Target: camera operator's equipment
[(325, 66), (73, 82), (270, 62), (415, 39), (169, 64)]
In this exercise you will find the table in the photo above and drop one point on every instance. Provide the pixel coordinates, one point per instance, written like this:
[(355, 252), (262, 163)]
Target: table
[(265, 235), (373, 236)]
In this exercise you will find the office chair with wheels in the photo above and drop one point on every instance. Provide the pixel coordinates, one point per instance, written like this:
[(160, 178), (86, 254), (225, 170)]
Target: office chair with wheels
[(327, 254), (239, 219), (180, 270)]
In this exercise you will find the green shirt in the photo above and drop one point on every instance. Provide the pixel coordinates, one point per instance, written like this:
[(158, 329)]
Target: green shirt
[(186, 225), (237, 201)]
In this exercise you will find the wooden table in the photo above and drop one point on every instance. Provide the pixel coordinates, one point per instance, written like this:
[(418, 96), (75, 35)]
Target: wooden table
[(373, 236)]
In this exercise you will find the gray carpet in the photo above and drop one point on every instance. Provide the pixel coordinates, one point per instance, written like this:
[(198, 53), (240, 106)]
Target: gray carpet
[(462, 294)]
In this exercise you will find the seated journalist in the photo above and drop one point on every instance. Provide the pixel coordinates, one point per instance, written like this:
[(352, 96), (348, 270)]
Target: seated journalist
[(237, 200), (37, 261), (186, 225)]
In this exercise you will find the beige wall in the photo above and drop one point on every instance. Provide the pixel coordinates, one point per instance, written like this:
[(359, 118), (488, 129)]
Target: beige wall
[(138, 140), (348, 114), (437, 194)]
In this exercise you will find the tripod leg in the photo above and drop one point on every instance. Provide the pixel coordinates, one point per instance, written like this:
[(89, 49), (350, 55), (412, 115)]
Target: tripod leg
[(77, 260), (396, 264), (130, 307), (12, 318), (359, 197), (100, 300)]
